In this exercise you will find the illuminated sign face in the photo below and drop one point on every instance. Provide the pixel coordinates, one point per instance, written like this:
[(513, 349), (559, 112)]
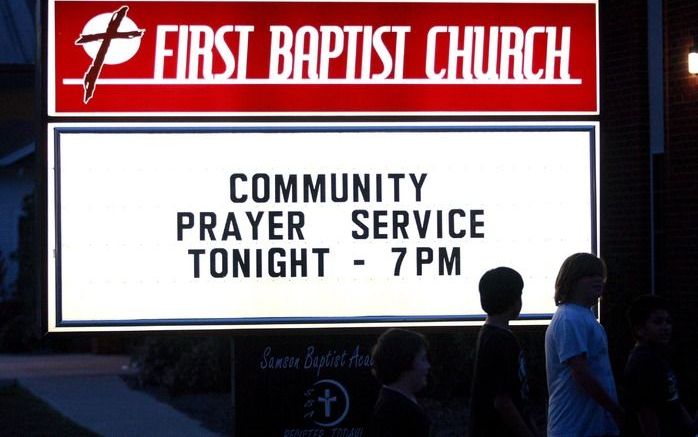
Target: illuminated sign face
[(287, 58), (213, 226)]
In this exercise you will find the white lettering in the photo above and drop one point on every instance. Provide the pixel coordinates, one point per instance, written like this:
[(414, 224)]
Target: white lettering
[(497, 53), (492, 56), (352, 37), (431, 53), (465, 54), (511, 50), (182, 52), (528, 53), (200, 48), (196, 48), (382, 52), (281, 43), (329, 51), (306, 36), (160, 51), (309, 52), (563, 53), (400, 36), (225, 52)]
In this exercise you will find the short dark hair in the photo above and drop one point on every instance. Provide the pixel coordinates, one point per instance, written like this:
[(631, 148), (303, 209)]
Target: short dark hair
[(642, 307), (500, 288), (395, 352), (574, 268)]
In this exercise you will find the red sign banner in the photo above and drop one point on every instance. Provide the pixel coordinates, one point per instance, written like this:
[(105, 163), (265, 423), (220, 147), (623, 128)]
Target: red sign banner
[(322, 58)]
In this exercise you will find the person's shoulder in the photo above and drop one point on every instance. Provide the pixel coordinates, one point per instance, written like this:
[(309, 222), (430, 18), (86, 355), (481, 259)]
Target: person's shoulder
[(644, 365), (387, 395), (563, 311), (496, 341), (567, 313), (644, 355), (391, 399), (496, 335), (572, 309), (395, 415)]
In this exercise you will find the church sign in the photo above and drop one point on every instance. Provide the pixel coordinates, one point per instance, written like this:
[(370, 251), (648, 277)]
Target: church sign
[(248, 165)]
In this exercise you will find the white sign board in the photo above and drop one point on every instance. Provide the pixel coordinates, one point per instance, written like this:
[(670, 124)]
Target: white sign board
[(220, 226)]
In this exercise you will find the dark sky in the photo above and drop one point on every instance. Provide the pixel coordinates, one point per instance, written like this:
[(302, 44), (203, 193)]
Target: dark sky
[(17, 31)]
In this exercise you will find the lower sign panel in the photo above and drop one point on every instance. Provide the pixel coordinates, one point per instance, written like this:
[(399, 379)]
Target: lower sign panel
[(211, 226)]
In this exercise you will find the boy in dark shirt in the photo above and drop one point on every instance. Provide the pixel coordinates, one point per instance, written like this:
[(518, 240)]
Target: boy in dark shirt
[(401, 364), (651, 392), (499, 390)]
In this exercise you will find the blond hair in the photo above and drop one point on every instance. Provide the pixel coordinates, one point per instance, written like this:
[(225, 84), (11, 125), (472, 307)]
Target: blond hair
[(574, 268)]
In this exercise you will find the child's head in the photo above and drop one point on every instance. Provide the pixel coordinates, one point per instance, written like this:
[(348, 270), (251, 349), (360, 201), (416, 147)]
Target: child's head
[(500, 291), (581, 276), (649, 320), (399, 353)]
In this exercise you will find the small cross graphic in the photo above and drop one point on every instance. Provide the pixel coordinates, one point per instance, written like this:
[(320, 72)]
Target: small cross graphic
[(327, 400), (111, 33)]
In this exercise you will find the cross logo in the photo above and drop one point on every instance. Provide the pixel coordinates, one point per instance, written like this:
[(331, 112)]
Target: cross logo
[(114, 45), (328, 401)]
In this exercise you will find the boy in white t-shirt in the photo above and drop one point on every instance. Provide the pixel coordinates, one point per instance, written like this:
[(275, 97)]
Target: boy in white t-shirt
[(582, 392)]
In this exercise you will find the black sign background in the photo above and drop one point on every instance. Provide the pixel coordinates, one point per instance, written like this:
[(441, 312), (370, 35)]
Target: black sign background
[(303, 386)]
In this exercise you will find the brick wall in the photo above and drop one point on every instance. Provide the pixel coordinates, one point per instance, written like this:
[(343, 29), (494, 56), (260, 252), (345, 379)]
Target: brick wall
[(625, 177), (625, 165), (678, 268)]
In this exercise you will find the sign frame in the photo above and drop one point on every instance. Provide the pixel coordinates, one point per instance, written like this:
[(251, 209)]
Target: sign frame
[(58, 323), (120, 121)]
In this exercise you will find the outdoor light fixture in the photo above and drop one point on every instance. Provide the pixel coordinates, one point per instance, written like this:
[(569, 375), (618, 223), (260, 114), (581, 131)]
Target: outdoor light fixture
[(693, 60)]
